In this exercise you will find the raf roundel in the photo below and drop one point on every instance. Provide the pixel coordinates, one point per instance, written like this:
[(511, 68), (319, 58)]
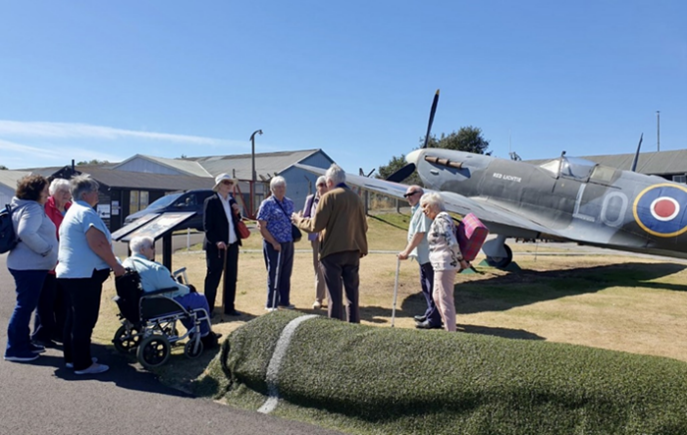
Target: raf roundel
[(660, 210)]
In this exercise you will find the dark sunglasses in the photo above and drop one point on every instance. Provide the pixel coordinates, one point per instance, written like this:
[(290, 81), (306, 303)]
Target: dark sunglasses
[(321, 185), (229, 182), (409, 194)]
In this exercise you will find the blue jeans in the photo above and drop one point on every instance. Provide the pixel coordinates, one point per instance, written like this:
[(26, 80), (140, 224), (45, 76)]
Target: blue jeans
[(28, 287), (284, 262)]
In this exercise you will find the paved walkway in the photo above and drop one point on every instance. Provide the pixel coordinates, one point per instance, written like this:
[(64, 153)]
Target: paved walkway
[(45, 398)]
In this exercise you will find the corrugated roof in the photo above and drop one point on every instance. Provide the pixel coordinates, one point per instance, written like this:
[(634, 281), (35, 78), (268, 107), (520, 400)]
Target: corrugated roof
[(241, 164), (10, 178), (655, 163), (186, 166), (132, 180)]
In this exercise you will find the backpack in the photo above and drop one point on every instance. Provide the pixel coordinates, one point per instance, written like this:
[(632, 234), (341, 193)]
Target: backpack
[(129, 292), (8, 238), (471, 234)]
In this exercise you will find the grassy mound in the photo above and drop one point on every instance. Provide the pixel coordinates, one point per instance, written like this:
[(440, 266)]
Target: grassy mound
[(382, 380)]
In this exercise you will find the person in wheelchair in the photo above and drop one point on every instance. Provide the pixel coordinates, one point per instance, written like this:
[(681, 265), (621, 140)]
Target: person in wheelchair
[(155, 276)]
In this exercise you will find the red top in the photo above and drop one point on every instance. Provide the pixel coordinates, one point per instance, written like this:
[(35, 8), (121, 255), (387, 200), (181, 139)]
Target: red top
[(55, 216)]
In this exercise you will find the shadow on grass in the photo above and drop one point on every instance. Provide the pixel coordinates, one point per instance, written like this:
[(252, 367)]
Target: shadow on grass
[(501, 293), (527, 287)]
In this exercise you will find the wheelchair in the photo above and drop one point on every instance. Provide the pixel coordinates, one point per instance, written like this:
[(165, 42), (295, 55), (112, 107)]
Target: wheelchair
[(149, 322)]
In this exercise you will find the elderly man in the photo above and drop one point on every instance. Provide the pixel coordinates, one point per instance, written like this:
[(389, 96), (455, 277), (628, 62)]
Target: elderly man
[(309, 209), (155, 276), (418, 248), (340, 216)]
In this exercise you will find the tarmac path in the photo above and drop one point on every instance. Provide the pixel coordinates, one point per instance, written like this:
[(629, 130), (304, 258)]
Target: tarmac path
[(43, 397)]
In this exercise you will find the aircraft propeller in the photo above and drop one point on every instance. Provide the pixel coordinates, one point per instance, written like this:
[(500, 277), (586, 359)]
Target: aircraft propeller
[(408, 169), (636, 158)]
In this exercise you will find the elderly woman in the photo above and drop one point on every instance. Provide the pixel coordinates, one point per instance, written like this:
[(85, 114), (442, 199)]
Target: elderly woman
[(221, 215), (309, 208), (50, 313), (155, 276), (85, 259), (29, 263), (274, 219), (445, 256)]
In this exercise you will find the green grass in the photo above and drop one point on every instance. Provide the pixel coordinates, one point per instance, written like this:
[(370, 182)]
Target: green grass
[(369, 380)]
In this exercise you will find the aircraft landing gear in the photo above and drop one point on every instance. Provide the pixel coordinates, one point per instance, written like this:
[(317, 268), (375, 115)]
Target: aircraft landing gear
[(501, 262)]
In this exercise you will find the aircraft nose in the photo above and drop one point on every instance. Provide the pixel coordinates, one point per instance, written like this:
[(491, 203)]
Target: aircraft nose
[(413, 157)]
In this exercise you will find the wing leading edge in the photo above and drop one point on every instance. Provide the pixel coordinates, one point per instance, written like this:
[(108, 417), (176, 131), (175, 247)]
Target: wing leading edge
[(506, 221)]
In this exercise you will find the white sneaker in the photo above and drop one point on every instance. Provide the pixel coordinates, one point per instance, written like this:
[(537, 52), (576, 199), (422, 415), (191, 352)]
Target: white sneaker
[(317, 305), (269, 310), (24, 358), (71, 365), (94, 369)]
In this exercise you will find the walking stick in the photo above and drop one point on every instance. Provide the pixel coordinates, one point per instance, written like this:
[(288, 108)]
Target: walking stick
[(224, 278), (276, 281), (393, 310)]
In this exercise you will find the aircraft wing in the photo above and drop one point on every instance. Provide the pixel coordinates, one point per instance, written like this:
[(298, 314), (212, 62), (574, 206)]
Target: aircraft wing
[(488, 213)]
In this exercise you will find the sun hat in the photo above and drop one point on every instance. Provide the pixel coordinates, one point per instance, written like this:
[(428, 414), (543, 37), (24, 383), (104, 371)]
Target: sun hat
[(222, 177)]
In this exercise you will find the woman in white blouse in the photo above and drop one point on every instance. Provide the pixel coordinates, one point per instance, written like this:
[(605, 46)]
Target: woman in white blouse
[(445, 256)]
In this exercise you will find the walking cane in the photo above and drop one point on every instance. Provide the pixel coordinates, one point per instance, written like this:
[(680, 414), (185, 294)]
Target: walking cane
[(224, 278), (393, 310), (276, 281)]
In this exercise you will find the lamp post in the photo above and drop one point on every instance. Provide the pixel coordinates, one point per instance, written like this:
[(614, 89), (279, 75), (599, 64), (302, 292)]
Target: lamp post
[(253, 175)]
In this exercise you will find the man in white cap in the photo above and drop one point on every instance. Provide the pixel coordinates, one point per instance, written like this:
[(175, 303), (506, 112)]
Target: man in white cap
[(309, 209), (221, 244)]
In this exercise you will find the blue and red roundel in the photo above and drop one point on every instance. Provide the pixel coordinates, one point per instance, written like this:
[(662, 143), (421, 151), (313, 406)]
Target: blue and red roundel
[(661, 210)]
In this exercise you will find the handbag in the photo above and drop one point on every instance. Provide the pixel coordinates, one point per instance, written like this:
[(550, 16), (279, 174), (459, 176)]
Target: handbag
[(244, 232), (296, 234)]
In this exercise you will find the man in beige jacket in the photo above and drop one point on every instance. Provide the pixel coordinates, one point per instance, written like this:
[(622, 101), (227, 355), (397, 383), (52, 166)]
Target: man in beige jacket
[(340, 217)]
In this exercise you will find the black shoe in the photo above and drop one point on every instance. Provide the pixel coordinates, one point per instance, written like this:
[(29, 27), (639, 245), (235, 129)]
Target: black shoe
[(232, 313), (420, 318), (427, 325)]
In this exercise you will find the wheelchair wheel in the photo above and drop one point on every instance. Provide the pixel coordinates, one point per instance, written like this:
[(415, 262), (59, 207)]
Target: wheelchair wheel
[(153, 351), (191, 350), (126, 341)]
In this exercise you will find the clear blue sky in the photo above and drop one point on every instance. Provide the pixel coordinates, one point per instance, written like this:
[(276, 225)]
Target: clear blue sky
[(109, 79)]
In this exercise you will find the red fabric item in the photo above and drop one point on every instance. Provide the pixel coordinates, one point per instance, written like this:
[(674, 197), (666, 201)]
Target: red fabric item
[(55, 216), (244, 232), (471, 233)]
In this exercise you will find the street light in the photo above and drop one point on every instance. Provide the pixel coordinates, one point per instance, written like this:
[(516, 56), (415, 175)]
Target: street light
[(252, 183)]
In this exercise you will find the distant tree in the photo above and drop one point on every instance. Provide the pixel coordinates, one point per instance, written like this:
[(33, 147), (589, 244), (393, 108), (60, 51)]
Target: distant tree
[(92, 162), (3, 168), (394, 165), (466, 139)]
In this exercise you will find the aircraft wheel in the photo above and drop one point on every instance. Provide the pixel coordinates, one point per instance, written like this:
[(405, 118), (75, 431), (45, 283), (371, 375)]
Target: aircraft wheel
[(501, 262)]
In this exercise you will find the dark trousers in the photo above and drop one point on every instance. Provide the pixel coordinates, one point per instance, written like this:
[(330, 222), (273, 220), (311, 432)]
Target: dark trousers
[(28, 288), (50, 312), (214, 260), (427, 283), (83, 301), (278, 286), (337, 269)]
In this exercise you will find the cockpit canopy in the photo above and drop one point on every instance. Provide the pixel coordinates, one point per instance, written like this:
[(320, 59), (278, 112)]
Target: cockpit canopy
[(571, 167)]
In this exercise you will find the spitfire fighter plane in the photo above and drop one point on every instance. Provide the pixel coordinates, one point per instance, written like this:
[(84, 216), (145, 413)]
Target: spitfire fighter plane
[(566, 199)]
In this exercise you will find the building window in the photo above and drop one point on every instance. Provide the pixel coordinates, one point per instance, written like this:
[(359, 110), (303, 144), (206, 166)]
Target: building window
[(138, 200), (680, 179)]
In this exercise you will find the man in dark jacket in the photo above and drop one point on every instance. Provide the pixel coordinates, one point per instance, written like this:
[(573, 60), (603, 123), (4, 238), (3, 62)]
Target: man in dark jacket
[(221, 243)]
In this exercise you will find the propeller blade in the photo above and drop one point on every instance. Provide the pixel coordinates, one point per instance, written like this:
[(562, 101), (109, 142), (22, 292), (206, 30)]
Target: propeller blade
[(431, 117), (402, 173), (636, 159)]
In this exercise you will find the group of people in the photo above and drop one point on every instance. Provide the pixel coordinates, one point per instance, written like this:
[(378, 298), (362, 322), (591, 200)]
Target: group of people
[(64, 254), (432, 242), (334, 218)]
